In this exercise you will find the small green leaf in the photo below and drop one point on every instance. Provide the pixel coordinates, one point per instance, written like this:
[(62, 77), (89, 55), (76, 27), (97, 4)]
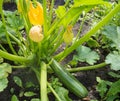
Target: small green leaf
[(29, 94), (29, 84), (101, 87), (114, 89), (35, 99), (113, 74), (62, 93), (60, 11), (21, 93), (114, 60), (3, 84), (18, 81), (14, 98), (92, 43), (85, 54)]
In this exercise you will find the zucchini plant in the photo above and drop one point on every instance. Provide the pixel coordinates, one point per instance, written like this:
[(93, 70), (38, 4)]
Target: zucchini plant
[(43, 32)]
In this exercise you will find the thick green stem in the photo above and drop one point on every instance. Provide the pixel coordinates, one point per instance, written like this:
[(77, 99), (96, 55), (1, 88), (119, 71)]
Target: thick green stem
[(90, 33), (14, 57), (87, 67), (43, 82), (14, 38), (45, 17)]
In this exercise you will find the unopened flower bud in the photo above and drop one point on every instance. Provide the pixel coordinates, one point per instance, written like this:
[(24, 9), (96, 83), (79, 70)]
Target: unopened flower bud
[(35, 33), (68, 35)]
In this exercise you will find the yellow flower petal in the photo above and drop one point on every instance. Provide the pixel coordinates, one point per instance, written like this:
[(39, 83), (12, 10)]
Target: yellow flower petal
[(35, 14)]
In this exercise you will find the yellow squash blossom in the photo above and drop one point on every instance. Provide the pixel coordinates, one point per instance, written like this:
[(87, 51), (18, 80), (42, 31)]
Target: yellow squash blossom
[(68, 35), (35, 14), (35, 33)]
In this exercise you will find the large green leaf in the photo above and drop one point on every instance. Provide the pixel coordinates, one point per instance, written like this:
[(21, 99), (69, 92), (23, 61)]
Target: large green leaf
[(85, 54), (114, 60), (13, 20), (72, 14), (112, 32)]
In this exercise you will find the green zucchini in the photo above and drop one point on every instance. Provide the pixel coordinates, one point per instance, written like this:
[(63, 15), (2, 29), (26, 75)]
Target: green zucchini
[(69, 80)]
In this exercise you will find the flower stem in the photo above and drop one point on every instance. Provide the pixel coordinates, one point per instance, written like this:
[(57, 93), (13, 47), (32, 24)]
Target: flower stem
[(87, 67)]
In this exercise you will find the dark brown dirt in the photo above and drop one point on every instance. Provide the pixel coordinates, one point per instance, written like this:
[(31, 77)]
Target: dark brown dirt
[(9, 6)]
